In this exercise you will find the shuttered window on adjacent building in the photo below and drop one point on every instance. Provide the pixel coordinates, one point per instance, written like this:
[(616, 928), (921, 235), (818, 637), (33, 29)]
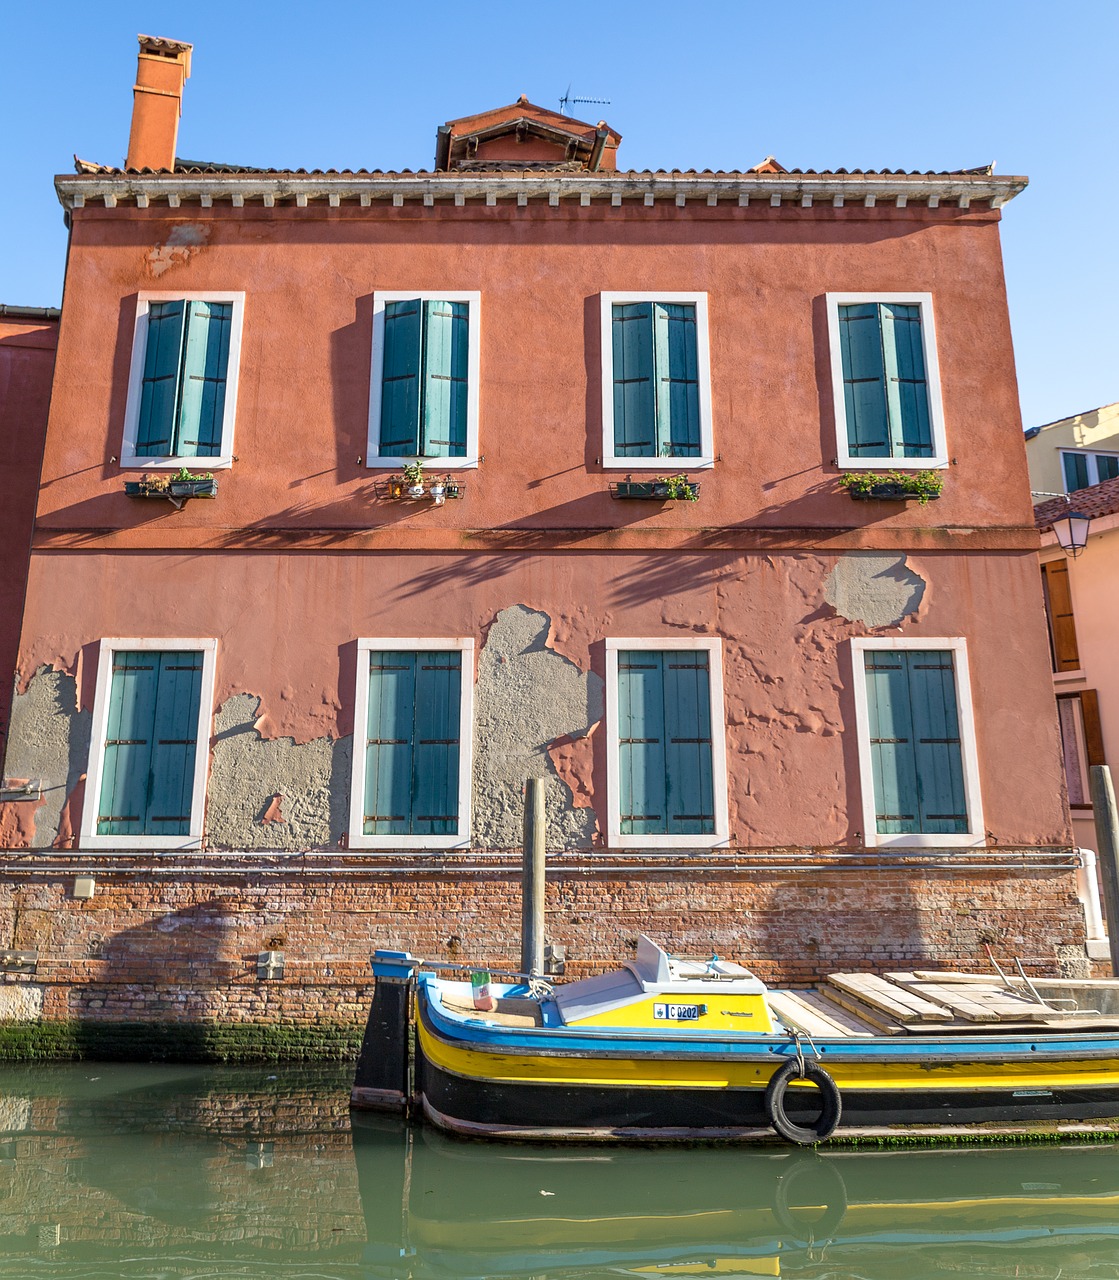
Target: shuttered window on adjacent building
[(664, 731), (1064, 654), (656, 380), (885, 384), (915, 748), (424, 390), (147, 777), (1081, 742), (412, 743), (186, 364)]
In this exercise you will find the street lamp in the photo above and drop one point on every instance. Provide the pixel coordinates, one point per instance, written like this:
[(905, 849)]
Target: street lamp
[(1072, 532), (1071, 529)]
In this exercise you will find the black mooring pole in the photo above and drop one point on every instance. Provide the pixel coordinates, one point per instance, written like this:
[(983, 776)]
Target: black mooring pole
[(381, 1078)]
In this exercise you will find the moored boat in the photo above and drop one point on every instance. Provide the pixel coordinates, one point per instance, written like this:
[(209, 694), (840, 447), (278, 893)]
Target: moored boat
[(667, 1048)]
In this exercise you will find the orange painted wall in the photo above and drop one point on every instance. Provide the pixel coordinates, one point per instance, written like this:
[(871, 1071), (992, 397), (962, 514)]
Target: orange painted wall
[(26, 363)]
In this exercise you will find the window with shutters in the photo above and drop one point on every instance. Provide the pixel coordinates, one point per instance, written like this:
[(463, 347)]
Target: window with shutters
[(917, 754), (150, 744), (656, 381), (1081, 469), (424, 384), (1078, 715), (182, 388), (886, 381), (1064, 653), (666, 767), (412, 744)]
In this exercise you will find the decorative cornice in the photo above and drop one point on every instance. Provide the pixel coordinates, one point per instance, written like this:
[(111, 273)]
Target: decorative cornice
[(647, 189)]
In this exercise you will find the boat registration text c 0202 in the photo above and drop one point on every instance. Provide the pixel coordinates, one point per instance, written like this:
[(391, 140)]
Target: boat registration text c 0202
[(678, 1012)]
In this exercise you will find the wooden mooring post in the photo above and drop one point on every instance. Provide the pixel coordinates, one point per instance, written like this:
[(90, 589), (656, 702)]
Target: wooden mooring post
[(532, 881)]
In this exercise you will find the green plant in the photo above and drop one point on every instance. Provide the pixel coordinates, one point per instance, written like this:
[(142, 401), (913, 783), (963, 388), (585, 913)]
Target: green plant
[(184, 475), (922, 485), (414, 473), (678, 486)]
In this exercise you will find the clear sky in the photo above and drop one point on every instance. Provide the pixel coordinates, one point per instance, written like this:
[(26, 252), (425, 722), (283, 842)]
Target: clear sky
[(707, 84)]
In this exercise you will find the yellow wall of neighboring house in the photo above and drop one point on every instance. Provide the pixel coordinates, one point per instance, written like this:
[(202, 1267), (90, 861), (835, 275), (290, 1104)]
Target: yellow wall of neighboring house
[(1098, 429)]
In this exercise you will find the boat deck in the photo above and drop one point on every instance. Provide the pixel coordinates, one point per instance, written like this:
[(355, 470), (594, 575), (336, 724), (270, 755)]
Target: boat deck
[(923, 1003)]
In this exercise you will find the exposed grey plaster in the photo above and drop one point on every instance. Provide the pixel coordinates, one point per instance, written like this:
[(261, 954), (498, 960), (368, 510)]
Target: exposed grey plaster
[(1073, 962), (527, 696), (186, 238), (247, 771), (876, 590), (48, 741)]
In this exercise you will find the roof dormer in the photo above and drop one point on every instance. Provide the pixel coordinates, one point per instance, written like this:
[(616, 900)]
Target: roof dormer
[(525, 136)]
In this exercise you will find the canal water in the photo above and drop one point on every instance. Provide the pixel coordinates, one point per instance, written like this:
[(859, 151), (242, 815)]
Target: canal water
[(167, 1172)]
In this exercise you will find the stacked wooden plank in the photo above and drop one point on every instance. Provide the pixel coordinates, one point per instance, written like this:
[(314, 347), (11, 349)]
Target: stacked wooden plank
[(920, 1002)]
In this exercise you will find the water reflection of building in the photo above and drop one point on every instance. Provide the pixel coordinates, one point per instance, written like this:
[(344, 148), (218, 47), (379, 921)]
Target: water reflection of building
[(179, 1172), (293, 718)]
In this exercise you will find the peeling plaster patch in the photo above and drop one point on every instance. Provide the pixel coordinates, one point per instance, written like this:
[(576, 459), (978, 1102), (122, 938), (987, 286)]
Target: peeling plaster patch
[(20, 1003), (186, 239), (531, 700), (250, 775), (876, 590), (49, 739)]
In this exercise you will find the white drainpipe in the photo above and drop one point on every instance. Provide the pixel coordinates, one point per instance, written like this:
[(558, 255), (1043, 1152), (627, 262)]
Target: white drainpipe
[(1088, 891)]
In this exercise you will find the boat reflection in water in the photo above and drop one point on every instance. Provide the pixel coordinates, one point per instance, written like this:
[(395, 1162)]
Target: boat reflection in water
[(472, 1209), (181, 1171)]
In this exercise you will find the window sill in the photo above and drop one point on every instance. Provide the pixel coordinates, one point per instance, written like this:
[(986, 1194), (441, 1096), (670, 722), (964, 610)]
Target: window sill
[(886, 463), (1061, 676), (131, 463), (921, 841), (658, 464), (182, 844), (385, 463), (697, 842), (413, 844)]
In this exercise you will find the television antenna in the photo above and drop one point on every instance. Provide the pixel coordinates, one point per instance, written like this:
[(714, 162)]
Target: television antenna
[(567, 101)]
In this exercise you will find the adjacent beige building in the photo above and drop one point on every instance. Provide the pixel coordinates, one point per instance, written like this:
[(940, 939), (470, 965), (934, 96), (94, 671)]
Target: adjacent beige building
[(1076, 452), (1082, 603)]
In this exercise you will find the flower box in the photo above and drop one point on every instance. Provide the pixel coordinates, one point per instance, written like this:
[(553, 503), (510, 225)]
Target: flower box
[(174, 490), (890, 493), (657, 490)]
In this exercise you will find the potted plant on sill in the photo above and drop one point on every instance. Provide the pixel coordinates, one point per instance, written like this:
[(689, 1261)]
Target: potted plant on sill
[(660, 489), (892, 486), (414, 479), (177, 486)]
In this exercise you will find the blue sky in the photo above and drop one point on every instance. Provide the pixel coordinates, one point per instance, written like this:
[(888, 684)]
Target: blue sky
[(714, 84)]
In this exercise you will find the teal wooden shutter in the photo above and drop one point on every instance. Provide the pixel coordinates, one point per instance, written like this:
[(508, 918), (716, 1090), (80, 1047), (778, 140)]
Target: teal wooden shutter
[(641, 743), (388, 744), (677, 380), (446, 340), (893, 765), (1076, 471), (665, 753), (202, 384), (689, 779), (400, 380), (151, 744), (635, 409), (936, 728), (916, 756), (436, 761), (160, 389), (864, 381), (412, 743), (907, 393)]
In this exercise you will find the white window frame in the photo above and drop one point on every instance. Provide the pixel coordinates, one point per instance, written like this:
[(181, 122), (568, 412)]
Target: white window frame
[(89, 838), (976, 834), (129, 458), (1093, 467), (473, 298), (844, 458), (461, 839), (706, 459), (720, 837)]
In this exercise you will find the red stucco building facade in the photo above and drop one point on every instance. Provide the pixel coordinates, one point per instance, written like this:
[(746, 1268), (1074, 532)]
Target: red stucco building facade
[(711, 687)]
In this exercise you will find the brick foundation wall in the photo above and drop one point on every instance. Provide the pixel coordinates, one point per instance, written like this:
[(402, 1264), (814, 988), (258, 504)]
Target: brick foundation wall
[(178, 947)]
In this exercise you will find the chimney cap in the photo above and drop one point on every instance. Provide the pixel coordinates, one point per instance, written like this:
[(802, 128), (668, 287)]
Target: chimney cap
[(162, 47)]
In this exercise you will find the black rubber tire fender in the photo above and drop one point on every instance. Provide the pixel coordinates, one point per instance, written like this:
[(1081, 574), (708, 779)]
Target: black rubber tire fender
[(810, 1171), (830, 1115)]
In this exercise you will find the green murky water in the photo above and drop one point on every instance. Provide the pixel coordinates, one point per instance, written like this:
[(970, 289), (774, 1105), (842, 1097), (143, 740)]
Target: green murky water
[(192, 1172)]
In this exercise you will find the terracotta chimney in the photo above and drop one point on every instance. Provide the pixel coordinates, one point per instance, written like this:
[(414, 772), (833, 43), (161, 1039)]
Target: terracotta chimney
[(161, 70)]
